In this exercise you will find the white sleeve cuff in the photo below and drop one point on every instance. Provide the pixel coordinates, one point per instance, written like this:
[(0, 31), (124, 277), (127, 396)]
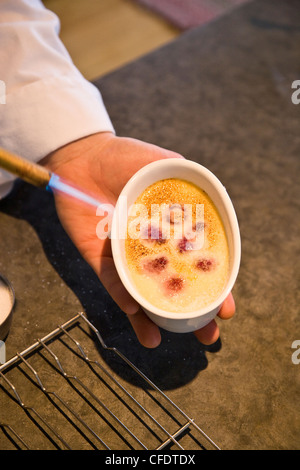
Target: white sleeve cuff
[(48, 114)]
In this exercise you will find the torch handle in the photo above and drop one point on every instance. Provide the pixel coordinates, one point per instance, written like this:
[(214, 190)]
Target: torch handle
[(28, 171)]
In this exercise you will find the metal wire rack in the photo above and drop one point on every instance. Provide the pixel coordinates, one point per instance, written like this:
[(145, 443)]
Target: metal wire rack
[(89, 406)]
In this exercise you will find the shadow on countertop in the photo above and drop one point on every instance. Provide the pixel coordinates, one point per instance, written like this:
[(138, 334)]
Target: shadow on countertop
[(173, 364)]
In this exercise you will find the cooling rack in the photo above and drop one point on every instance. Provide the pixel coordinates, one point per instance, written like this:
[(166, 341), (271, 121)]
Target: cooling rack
[(55, 395)]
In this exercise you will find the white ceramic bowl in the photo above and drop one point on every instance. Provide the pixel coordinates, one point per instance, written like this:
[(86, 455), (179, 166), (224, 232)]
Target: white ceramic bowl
[(7, 302), (207, 181)]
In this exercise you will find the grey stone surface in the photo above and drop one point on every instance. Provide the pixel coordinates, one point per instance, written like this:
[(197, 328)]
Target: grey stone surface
[(220, 95)]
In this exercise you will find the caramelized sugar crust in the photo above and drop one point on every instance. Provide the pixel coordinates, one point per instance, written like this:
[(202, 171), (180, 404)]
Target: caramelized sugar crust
[(173, 273)]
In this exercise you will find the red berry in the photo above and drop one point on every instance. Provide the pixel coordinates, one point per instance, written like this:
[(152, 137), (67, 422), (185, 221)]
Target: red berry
[(184, 245), (156, 265), (154, 234), (205, 264), (174, 285)]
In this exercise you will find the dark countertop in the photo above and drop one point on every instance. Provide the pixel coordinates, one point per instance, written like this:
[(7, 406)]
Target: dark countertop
[(220, 95)]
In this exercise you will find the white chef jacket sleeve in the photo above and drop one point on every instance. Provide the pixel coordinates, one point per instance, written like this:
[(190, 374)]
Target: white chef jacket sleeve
[(45, 102)]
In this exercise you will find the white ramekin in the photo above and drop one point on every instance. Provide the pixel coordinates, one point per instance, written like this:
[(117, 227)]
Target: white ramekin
[(207, 181)]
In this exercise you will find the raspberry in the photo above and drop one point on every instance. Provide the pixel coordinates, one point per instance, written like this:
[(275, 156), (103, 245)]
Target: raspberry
[(184, 245), (205, 264), (154, 234), (174, 285), (156, 265)]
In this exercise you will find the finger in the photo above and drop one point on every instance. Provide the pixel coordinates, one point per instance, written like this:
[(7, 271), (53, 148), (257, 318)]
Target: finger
[(146, 331), (228, 308), (209, 334), (110, 279)]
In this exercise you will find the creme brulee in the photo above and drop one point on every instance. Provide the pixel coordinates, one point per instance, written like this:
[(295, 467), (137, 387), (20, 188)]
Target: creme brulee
[(178, 259)]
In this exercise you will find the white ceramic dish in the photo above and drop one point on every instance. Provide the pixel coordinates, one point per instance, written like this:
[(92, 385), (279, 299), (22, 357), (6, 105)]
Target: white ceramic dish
[(207, 181), (7, 302)]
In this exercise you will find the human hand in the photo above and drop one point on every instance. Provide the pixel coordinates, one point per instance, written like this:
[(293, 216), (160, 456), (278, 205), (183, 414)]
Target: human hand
[(102, 164)]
